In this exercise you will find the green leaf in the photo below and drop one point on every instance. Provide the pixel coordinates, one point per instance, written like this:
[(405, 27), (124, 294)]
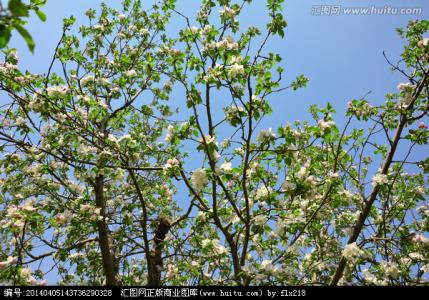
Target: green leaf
[(68, 22), (4, 35), (425, 165), (38, 2), (18, 9), (41, 15), (27, 37)]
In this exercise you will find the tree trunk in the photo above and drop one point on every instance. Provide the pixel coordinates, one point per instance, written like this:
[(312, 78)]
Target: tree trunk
[(155, 262), (108, 258)]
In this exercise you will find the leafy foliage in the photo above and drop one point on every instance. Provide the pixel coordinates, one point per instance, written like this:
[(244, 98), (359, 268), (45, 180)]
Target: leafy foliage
[(13, 17), (94, 158)]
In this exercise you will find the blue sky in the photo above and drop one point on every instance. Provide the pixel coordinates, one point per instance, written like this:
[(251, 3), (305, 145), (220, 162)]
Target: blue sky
[(341, 55)]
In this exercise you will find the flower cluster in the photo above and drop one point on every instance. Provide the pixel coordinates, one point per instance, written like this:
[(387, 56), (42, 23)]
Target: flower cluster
[(263, 192), (405, 86), (233, 114), (7, 68), (208, 139), (379, 179), (265, 136), (170, 134), (226, 44), (325, 125), (235, 70), (360, 108), (352, 252), (228, 12), (226, 167), (199, 179), (26, 274), (214, 244), (57, 91), (418, 238), (423, 42), (288, 186), (9, 261), (87, 80), (17, 214), (171, 163)]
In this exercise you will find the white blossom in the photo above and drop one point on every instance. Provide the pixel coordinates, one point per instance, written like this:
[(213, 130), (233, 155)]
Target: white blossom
[(99, 27), (57, 91), (390, 268), (233, 112), (303, 170), (103, 81), (228, 11), (253, 169), (103, 104), (131, 73), (263, 192), (265, 135), (172, 271), (423, 42), (34, 282), (13, 212), (12, 260), (404, 86), (60, 219), (35, 105), (379, 179), (195, 263), (25, 272), (9, 261), (144, 31), (171, 163), (417, 238), (6, 68), (194, 30), (220, 249), (76, 255), (260, 220), (226, 143), (235, 70), (87, 80), (239, 151), (208, 139), (206, 242), (226, 167), (325, 124), (227, 44), (352, 252), (333, 175), (288, 186), (199, 179), (216, 155), (369, 277), (28, 206), (312, 180), (268, 266), (170, 131)]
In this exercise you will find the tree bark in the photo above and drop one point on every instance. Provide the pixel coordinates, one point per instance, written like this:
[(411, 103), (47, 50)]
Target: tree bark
[(155, 263), (105, 243)]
